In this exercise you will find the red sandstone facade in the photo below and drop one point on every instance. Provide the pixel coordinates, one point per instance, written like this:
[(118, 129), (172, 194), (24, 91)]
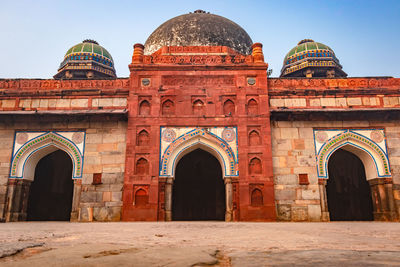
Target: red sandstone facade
[(200, 87), (205, 90)]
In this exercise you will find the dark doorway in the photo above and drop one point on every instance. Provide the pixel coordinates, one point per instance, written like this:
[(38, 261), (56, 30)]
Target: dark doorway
[(198, 190), (50, 195), (348, 192)]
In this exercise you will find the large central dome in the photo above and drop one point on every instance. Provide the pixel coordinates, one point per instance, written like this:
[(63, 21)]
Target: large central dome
[(199, 29)]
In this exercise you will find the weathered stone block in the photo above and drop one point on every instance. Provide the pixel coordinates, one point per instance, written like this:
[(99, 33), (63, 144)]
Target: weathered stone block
[(290, 179), (306, 161), (111, 168), (103, 188), (105, 102), (328, 102), (116, 187), (298, 144), (314, 212), (116, 196), (289, 133), (79, 103), (306, 133), (299, 213), (88, 196), (390, 101), (277, 102), (310, 194), (354, 101), (107, 147), (85, 214), (106, 196), (94, 138), (282, 144), (9, 103), (284, 212), (285, 194), (63, 103), (341, 102), (115, 213), (295, 102), (119, 102), (90, 168), (44, 103), (25, 103), (52, 103), (315, 102), (87, 178), (100, 214)]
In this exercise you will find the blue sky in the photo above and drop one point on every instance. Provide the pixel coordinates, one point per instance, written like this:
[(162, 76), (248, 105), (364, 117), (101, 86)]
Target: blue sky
[(365, 35)]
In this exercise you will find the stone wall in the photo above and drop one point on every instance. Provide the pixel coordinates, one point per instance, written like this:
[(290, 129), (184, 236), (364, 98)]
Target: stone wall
[(293, 154), (104, 155)]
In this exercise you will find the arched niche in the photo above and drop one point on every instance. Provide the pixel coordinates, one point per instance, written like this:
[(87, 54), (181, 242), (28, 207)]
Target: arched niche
[(254, 138), (144, 108), (168, 107), (142, 166), (143, 138), (229, 107), (141, 198), (198, 107), (205, 141), (26, 158), (252, 107), (255, 166), (256, 198)]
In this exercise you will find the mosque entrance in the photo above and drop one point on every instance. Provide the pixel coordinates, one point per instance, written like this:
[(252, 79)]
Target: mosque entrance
[(348, 192), (50, 194), (198, 191)]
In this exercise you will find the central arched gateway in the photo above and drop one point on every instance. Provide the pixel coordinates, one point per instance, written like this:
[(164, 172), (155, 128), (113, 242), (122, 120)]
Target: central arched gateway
[(198, 191)]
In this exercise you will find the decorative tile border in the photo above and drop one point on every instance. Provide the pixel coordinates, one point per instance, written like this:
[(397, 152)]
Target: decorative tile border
[(371, 141), (176, 140), (28, 143)]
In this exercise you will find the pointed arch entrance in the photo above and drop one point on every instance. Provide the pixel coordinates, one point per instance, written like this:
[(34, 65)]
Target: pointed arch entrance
[(44, 174), (350, 161), (217, 145), (198, 191)]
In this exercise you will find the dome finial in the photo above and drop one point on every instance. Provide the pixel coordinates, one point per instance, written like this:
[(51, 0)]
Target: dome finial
[(198, 11), (90, 41), (305, 41)]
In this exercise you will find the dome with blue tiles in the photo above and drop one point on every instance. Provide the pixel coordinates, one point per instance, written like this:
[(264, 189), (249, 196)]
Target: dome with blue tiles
[(86, 60), (311, 59)]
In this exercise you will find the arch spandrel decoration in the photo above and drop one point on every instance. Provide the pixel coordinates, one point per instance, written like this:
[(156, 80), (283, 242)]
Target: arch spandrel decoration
[(368, 144), (219, 141), (30, 147)]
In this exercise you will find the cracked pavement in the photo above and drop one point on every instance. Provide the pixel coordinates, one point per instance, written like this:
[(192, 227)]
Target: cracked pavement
[(199, 244)]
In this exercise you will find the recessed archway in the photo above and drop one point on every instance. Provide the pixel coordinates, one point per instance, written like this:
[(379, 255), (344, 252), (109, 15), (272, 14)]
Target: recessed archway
[(198, 188), (348, 192), (51, 192)]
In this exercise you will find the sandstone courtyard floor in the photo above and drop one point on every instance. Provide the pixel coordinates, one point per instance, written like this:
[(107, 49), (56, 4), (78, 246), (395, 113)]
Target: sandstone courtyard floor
[(199, 244)]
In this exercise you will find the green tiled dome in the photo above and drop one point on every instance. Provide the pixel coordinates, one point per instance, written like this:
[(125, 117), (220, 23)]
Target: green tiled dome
[(307, 45), (89, 46), (310, 54), (86, 59)]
